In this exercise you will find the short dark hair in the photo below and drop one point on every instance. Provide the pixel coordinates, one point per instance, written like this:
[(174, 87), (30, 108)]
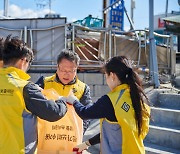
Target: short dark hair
[(69, 55), (15, 49)]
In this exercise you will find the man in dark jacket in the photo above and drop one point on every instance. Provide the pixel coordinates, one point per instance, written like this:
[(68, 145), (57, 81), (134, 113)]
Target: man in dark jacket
[(63, 81)]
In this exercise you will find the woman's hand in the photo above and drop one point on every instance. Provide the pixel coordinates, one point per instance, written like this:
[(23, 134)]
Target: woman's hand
[(71, 98), (83, 146)]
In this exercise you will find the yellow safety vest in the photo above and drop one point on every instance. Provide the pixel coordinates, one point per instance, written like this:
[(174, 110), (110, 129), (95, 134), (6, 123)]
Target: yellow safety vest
[(61, 136), (124, 111), (16, 120)]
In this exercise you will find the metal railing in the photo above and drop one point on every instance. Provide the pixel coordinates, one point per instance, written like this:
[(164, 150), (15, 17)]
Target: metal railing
[(109, 40)]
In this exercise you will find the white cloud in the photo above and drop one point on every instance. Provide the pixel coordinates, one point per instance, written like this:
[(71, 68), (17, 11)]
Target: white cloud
[(17, 12), (72, 20)]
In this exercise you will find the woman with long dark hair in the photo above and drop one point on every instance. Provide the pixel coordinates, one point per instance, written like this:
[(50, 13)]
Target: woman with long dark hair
[(123, 113)]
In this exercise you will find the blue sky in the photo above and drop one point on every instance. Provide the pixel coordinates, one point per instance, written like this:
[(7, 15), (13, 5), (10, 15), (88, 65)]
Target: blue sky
[(79, 9)]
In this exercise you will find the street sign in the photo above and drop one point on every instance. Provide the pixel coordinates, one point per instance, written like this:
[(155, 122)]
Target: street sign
[(116, 13)]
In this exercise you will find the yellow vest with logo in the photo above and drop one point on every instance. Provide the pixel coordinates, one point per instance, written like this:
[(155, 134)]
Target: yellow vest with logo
[(124, 111), (17, 123), (61, 136)]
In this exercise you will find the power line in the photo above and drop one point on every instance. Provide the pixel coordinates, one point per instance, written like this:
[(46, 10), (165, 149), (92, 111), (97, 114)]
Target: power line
[(43, 3)]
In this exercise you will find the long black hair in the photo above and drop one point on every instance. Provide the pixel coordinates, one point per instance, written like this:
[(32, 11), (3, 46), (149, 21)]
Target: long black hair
[(1, 47), (122, 67)]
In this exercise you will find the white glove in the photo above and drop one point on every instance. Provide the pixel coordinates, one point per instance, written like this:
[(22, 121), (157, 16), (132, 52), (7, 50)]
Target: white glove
[(82, 146), (63, 98), (71, 98)]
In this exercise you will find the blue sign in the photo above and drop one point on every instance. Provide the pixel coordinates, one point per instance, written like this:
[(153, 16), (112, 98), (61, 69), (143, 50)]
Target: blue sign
[(117, 14)]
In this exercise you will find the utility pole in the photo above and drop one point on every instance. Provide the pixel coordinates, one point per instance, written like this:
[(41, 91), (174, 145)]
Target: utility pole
[(6, 3), (166, 8), (132, 13), (44, 3), (49, 6), (153, 55), (104, 14)]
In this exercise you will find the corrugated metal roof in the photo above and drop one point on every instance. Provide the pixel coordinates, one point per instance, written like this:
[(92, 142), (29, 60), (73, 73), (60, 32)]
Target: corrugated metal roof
[(173, 19)]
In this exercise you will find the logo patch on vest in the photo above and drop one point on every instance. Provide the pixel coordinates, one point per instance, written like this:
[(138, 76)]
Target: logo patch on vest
[(74, 90), (125, 107)]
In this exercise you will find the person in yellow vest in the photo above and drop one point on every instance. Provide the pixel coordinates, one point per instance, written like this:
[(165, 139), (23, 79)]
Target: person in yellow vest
[(68, 131), (123, 112), (1, 49), (21, 101)]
